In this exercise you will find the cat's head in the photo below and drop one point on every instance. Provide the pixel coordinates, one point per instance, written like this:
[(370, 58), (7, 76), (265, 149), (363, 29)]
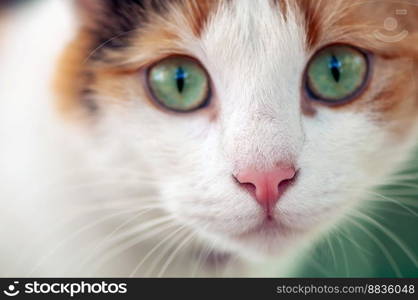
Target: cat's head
[(257, 121)]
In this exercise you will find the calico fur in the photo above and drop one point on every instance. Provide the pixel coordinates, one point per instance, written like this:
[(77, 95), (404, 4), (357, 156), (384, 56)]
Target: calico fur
[(118, 187)]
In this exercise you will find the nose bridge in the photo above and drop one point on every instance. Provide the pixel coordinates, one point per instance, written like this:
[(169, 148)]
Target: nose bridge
[(260, 113), (258, 61), (259, 136)]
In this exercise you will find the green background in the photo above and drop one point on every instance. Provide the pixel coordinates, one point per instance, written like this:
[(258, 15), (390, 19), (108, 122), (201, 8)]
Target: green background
[(386, 245)]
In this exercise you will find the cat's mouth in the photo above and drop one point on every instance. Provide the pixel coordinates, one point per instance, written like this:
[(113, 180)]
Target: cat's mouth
[(270, 227), (267, 238)]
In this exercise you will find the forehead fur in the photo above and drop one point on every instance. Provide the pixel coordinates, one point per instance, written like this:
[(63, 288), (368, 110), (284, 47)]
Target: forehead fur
[(116, 24), (123, 36), (329, 21), (119, 24)]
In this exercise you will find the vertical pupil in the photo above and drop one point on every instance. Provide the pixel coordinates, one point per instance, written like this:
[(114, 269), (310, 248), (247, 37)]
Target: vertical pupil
[(335, 67), (180, 79)]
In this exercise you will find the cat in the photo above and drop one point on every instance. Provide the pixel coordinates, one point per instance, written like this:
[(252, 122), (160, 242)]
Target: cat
[(195, 138)]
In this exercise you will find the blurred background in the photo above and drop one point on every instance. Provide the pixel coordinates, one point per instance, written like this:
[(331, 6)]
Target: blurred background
[(381, 242)]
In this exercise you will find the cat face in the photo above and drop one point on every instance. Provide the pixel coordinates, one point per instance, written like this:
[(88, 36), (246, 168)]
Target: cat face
[(257, 124)]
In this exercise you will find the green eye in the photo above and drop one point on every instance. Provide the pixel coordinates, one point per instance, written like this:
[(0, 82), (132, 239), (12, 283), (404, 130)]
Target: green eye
[(336, 73), (179, 83)]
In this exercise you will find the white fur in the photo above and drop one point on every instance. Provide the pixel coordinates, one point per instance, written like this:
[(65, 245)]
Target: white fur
[(52, 174)]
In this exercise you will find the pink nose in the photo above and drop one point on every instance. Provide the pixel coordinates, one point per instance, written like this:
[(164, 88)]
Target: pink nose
[(268, 186)]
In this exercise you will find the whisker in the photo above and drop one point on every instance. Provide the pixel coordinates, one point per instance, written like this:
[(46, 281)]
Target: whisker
[(111, 234), (153, 249), (203, 256), (387, 254), (391, 235), (102, 45), (72, 236), (174, 253), (346, 235), (137, 240), (345, 258), (383, 197), (172, 242), (331, 248), (60, 225)]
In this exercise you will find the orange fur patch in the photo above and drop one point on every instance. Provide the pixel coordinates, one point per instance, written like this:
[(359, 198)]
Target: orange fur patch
[(392, 94), (158, 37), (71, 78), (390, 97)]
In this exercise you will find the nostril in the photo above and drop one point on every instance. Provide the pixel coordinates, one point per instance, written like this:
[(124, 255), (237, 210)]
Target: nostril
[(266, 186), (249, 187), (285, 184)]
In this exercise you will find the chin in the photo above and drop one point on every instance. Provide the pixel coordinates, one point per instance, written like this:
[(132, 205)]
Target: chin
[(265, 245), (267, 238)]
